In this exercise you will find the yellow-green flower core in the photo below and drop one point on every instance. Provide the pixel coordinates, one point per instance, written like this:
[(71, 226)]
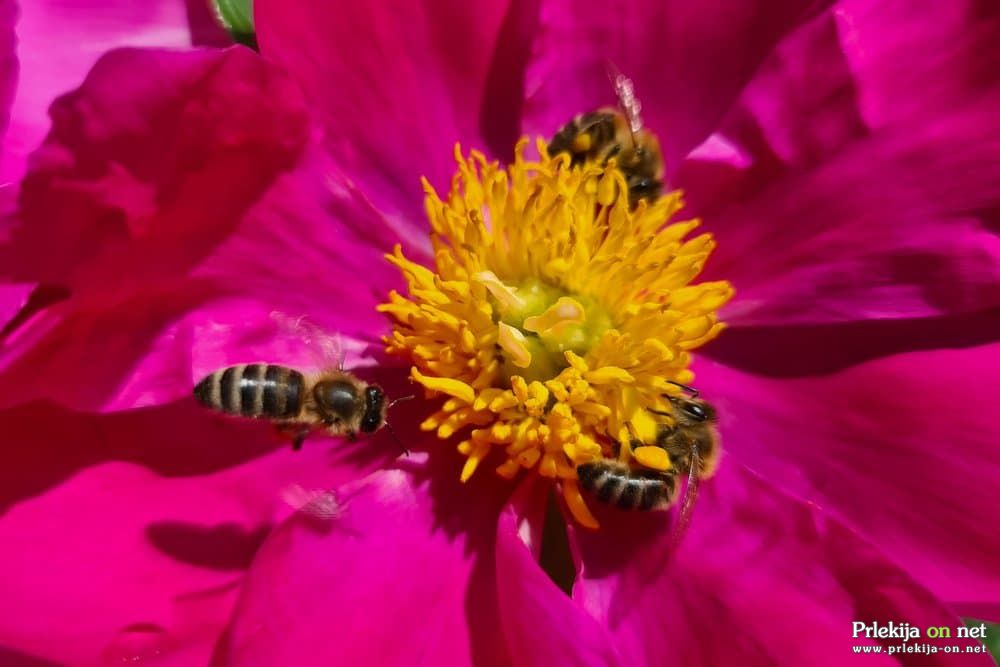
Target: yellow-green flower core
[(554, 316)]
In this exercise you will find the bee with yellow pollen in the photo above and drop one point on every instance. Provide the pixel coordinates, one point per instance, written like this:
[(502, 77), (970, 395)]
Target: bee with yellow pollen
[(558, 320)]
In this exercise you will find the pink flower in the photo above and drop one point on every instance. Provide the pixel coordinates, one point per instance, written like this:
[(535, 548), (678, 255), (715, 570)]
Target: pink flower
[(182, 197)]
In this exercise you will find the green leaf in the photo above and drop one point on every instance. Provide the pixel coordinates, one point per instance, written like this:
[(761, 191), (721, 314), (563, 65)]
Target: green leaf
[(992, 639), (237, 17)]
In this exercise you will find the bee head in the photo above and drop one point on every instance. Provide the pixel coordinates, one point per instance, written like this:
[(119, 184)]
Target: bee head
[(693, 410)]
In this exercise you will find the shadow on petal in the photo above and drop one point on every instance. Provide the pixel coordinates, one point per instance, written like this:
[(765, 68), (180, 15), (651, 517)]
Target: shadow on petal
[(800, 350), (48, 444), (225, 546)]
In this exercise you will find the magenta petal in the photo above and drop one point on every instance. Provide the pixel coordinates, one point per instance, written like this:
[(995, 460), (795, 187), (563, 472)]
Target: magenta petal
[(156, 149), (688, 61), (59, 40), (8, 66), (313, 246), (799, 108), (543, 626), (802, 98), (841, 242), (919, 60), (164, 164), (914, 236), (760, 578), (881, 446), (12, 299), (114, 562), (407, 554), (397, 86)]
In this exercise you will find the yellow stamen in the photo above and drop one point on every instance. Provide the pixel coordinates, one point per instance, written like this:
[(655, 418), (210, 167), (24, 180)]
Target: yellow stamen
[(554, 317), (515, 344), (557, 318), (577, 506), (505, 296), (455, 388)]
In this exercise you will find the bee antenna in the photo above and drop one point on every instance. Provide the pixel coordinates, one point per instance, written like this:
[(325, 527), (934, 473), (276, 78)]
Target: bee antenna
[(400, 400), (395, 437), (691, 390)]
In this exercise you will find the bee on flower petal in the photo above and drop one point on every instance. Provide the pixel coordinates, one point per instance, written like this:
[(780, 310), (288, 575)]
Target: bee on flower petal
[(599, 136), (334, 400), (690, 440)]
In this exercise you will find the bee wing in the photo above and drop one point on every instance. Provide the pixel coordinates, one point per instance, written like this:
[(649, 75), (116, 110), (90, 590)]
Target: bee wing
[(326, 347), (687, 502), (627, 100), (321, 504)]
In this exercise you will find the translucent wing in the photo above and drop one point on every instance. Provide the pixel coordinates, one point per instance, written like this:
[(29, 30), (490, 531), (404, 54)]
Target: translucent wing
[(325, 348), (320, 504), (687, 502), (629, 103)]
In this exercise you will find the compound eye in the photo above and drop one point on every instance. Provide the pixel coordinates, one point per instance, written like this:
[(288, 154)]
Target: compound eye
[(643, 186), (695, 411)]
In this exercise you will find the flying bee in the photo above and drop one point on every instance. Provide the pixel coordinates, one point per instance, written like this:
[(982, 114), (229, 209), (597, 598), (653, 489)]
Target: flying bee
[(609, 132), (335, 401), (692, 444)]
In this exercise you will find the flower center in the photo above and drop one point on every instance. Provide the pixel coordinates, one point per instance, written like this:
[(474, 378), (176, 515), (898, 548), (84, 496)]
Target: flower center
[(556, 316)]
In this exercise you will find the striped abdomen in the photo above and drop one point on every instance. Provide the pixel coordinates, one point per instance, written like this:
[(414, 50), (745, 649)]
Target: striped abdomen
[(589, 136), (265, 391), (615, 483)]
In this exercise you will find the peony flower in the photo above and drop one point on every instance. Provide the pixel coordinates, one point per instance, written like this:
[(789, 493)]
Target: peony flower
[(181, 198)]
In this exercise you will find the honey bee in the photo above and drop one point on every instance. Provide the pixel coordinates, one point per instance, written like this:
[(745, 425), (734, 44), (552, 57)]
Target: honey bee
[(335, 401), (691, 442), (616, 133)]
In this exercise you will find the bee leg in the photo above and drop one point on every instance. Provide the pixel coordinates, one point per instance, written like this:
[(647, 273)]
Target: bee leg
[(392, 432), (634, 440), (352, 436), (664, 413), (296, 433)]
